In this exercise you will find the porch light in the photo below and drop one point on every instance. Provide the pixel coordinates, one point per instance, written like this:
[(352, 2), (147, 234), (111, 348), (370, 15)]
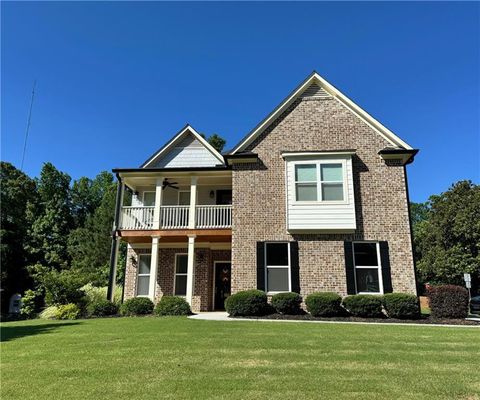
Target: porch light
[(212, 194)]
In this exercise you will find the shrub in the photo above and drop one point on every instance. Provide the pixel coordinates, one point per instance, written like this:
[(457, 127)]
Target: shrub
[(364, 305), (63, 287), (327, 304), (49, 313), (172, 305), (68, 311), (448, 301), (94, 293), (246, 303), (30, 302), (287, 303), (137, 306), (401, 305), (101, 308)]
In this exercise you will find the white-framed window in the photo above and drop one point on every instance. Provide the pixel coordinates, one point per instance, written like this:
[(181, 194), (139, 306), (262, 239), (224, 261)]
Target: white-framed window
[(148, 199), (277, 267), (143, 276), (184, 197), (368, 268), (320, 181), (181, 267)]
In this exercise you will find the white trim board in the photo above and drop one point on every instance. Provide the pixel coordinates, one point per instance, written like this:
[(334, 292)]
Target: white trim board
[(314, 77)]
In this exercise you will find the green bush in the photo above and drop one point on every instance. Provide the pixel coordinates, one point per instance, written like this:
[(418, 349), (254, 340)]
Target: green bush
[(287, 303), (324, 304), (401, 305), (172, 305), (63, 288), (68, 311), (101, 308), (364, 305), (94, 293), (49, 313), (30, 301), (246, 303), (448, 301), (137, 306)]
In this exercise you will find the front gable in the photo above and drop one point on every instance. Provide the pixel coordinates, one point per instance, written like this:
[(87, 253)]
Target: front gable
[(316, 87), (187, 149)]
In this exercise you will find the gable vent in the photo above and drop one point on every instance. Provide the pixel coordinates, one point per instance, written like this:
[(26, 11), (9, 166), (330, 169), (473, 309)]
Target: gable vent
[(315, 91)]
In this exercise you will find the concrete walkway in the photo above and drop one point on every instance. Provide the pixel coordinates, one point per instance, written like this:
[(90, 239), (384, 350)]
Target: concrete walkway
[(223, 316)]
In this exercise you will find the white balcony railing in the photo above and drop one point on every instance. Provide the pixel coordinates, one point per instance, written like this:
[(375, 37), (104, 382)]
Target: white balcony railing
[(137, 218), (176, 217), (214, 216)]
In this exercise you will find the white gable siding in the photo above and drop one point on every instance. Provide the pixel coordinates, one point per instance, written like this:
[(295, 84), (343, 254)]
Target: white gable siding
[(189, 152), (321, 216)]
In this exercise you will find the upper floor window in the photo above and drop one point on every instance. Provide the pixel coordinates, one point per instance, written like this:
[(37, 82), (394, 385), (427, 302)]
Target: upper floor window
[(319, 181)]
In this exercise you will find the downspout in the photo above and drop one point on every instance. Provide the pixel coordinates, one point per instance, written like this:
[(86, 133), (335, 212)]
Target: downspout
[(114, 247)]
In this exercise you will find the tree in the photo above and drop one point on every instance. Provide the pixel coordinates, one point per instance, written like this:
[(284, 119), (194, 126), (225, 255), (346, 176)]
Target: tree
[(419, 212), (89, 246), (17, 193), (49, 222), (217, 142), (447, 242)]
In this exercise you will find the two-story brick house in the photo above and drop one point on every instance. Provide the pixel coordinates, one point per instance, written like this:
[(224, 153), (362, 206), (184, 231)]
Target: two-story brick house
[(314, 198)]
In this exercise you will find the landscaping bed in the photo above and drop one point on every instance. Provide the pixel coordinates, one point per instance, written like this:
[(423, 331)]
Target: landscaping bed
[(307, 317)]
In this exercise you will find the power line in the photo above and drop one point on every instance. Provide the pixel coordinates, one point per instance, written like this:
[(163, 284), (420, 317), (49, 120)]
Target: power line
[(28, 124)]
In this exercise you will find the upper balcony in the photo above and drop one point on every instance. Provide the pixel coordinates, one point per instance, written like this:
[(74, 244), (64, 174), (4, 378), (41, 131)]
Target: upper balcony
[(176, 217), (176, 201)]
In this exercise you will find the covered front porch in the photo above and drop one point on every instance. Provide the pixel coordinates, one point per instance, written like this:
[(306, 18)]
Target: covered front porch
[(188, 210), (200, 272)]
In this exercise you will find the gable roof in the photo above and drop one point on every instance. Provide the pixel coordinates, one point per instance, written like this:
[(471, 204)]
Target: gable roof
[(316, 86), (182, 135)]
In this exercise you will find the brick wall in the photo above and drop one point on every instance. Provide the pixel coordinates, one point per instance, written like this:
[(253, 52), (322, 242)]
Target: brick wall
[(202, 299), (380, 198)]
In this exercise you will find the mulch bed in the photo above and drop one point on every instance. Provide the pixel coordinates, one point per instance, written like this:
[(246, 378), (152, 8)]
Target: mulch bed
[(422, 320)]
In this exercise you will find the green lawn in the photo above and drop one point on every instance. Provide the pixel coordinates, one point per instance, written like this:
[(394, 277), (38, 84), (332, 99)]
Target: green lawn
[(177, 358)]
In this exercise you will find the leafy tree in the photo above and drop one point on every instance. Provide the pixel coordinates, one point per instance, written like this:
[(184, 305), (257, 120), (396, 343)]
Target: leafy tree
[(50, 222), (89, 246), (217, 142), (87, 194), (419, 212), (447, 242), (17, 193)]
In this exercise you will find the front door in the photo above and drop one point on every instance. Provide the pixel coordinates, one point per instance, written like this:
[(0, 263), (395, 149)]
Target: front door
[(222, 284)]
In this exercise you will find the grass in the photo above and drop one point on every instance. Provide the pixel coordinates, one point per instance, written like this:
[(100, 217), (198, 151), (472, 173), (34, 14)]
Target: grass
[(178, 358)]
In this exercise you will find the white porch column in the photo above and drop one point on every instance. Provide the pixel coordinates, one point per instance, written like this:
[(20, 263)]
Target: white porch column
[(190, 268), (193, 203), (153, 268), (158, 204)]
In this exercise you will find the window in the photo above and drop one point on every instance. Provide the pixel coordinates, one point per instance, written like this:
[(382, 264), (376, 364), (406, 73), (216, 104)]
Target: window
[(367, 267), (277, 263), (183, 198), (148, 199), (143, 279), (181, 266), (322, 181)]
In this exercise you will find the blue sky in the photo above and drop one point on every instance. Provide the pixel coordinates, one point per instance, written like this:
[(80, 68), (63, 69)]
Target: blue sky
[(116, 80)]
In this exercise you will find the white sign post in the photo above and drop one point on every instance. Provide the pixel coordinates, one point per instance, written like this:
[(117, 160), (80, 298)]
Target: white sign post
[(468, 284)]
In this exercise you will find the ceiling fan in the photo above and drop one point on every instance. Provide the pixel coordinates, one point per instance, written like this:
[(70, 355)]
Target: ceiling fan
[(166, 184)]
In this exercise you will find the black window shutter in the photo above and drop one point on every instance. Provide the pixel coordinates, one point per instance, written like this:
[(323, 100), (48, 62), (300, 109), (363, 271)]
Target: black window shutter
[(349, 267), (261, 266), (386, 273), (294, 267)]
